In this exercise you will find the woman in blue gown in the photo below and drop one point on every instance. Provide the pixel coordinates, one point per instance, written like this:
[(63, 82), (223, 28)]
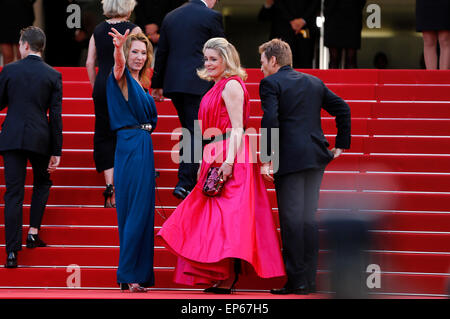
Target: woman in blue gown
[(133, 116)]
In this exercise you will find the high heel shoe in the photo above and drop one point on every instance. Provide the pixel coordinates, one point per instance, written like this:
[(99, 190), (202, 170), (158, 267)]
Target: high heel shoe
[(108, 194), (226, 291), (223, 291), (132, 288)]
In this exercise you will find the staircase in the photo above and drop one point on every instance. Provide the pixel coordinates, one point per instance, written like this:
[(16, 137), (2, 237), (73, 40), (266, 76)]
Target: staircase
[(396, 174)]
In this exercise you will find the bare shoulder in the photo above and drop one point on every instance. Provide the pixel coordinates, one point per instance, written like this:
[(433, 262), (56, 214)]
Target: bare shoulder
[(233, 89), (136, 30)]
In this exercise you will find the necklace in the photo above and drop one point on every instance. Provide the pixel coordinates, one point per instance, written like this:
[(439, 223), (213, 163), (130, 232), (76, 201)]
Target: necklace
[(115, 21)]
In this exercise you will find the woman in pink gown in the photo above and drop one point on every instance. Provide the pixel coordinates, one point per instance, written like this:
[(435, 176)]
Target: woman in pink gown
[(213, 236)]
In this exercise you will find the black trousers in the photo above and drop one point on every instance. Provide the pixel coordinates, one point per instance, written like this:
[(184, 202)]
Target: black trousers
[(15, 173), (187, 106), (298, 197), (302, 50)]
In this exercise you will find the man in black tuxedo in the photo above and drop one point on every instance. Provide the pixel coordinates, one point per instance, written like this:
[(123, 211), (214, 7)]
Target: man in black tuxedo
[(184, 31), (29, 88), (292, 103), (294, 21)]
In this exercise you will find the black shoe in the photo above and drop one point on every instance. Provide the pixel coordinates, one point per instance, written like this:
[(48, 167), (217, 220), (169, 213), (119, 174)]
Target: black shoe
[(180, 192), (219, 291), (222, 291), (11, 260), (312, 287), (108, 194), (300, 290), (227, 291), (34, 241)]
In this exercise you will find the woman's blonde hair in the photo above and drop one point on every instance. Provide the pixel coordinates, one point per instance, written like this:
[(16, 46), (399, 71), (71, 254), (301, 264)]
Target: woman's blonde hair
[(143, 38), (229, 55), (118, 8)]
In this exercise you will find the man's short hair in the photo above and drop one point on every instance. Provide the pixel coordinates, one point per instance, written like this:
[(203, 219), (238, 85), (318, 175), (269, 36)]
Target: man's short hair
[(279, 49), (35, 37)]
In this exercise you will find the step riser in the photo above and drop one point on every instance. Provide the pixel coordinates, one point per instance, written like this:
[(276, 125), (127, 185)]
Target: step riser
[(346, 162), (359, 109), (439, 127), (354, 91), (109, 257), (370, 76), (331, 181), (431, 222), (360, 144), (328, 199), (110, 237)]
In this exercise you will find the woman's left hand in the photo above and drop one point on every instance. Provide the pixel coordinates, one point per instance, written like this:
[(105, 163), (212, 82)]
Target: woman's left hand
[(227, 171)]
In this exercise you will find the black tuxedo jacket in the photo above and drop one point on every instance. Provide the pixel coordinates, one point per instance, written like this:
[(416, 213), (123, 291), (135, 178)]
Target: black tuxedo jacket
[(30, 88), (183, 33), (292, 102)]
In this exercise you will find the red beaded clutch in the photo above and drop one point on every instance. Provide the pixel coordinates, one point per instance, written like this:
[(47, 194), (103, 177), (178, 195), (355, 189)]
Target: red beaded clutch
[(213, 183)]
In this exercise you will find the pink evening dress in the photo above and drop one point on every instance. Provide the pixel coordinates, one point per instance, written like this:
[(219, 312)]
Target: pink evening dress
[(206, 233)]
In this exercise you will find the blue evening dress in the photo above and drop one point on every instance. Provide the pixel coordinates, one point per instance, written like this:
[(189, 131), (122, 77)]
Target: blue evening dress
[(134, 176)]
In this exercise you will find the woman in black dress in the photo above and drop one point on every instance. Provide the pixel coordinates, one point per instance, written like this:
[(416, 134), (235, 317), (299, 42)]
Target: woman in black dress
[(433, 20), (101, 49), (343, 25), (14, 16)]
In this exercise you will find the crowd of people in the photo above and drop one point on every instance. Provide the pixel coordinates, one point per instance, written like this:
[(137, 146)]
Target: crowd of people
[(216, 239)]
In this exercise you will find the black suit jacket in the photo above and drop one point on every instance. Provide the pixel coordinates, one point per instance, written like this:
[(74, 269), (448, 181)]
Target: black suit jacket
[(30, 88), (292, 102), (183, 33), (284, 11)]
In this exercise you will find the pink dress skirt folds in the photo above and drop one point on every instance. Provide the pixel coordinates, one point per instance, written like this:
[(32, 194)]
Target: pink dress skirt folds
[(206, 233)]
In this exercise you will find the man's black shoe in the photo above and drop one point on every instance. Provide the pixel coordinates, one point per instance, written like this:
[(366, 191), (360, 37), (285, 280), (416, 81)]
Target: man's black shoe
[(180, 192), (11, 260), (34, 241), (300, 290)]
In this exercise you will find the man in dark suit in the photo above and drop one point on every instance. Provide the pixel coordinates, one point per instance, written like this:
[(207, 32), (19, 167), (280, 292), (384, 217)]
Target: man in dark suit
[(29, 88), (294, 21), (292, 103), (184, 31), (150, 13)]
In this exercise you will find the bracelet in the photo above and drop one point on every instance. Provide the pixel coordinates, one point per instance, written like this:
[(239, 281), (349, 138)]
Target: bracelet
[(231, 164)]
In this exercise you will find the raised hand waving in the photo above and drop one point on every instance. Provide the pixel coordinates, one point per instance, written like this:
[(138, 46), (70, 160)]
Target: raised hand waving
[(118, 38)]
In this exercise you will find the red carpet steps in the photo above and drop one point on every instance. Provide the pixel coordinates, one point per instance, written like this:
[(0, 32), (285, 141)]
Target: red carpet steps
[(397, 173)]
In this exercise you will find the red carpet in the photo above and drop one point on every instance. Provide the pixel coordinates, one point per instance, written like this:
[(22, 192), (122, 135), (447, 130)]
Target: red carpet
[(396, 174)]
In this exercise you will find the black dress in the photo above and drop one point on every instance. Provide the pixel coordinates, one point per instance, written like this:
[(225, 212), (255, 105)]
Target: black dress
[(343, 23), (104, 138), (432, 15), (14, 16), (280, 14)]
